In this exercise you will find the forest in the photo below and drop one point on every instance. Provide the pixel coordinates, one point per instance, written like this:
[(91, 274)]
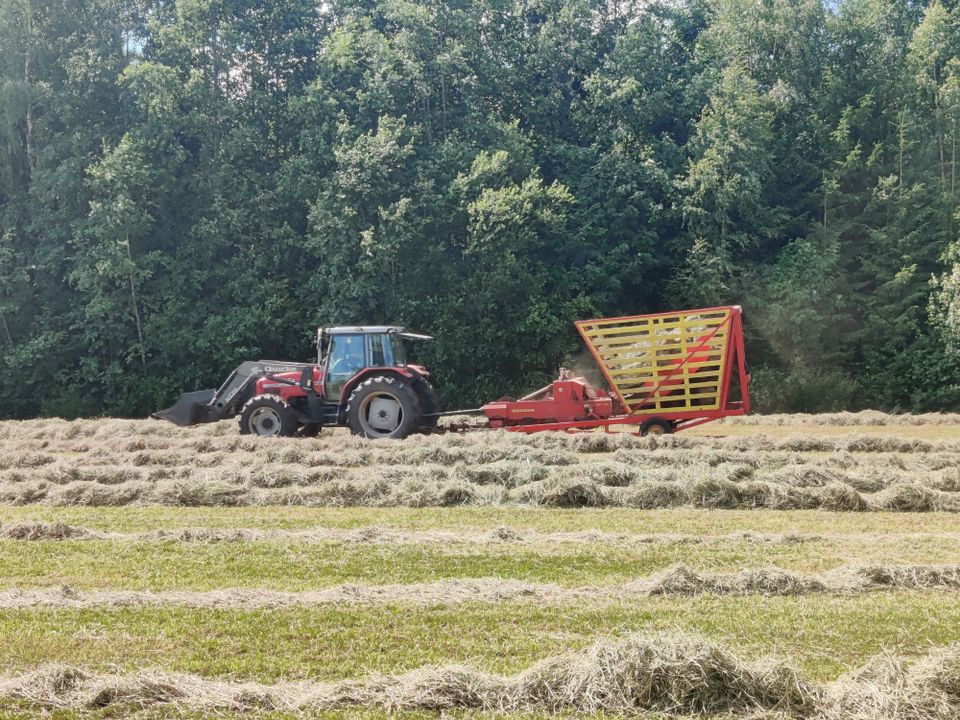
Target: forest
[(186, 184)]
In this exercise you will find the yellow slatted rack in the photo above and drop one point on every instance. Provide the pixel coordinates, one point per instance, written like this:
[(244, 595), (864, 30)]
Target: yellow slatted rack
[(667, 362)]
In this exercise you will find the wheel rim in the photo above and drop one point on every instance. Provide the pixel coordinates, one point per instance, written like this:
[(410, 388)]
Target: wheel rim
[(380, 414), (265, 421), (655, 430)]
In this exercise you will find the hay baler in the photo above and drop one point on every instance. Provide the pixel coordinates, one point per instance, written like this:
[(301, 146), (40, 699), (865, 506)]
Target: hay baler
[(665, 372)]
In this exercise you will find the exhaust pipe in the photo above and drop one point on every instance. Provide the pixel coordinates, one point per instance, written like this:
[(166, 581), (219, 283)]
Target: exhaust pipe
[(192, 408)]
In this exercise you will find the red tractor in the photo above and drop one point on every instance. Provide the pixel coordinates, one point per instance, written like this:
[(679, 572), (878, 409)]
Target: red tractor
[(362, 379)]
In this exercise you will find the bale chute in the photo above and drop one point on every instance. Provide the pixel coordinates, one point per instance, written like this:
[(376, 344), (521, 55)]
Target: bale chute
[(675, 362)]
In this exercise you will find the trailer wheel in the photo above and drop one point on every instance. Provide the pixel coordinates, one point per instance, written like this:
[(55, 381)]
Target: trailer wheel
[(267, 416), (383, 407), (656, 427)]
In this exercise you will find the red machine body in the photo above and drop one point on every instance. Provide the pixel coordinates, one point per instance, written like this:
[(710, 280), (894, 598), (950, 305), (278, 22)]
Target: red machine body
[(568, 399), (292, 388)]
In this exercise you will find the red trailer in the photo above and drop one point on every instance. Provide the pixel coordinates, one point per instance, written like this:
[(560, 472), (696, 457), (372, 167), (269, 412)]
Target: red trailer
[(664, 372)]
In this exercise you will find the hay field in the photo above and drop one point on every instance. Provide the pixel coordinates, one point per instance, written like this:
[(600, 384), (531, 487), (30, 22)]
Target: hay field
[(770, 567)]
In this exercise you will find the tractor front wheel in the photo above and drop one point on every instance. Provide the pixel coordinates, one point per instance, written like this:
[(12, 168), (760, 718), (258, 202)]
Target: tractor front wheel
[(383, 407), (267, 416)]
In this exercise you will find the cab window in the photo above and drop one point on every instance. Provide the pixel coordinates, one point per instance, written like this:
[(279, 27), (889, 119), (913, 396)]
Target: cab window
[(344, 360), (380, 350)]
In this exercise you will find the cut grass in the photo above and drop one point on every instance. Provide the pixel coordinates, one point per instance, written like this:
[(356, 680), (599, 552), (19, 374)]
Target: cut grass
[(18, 711), (823, 636), (677, 580), (610, 520), (665, 671), (947, 431), (122, 463)]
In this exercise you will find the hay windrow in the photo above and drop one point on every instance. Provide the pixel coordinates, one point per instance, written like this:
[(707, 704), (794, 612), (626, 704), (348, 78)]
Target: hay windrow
[(381, 535), (847, 419), (423, 488), (910, 576), (681, 580), (666, 673), (676, 580), (39, 530), (675, 674), (119, 463), (888, 688)]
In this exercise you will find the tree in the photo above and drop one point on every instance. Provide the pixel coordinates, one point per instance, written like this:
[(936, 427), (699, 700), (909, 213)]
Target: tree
[(187, 185), (725, 206)]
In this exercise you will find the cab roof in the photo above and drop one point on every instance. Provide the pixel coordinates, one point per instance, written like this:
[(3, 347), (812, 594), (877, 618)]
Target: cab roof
[(373, 330), (362, 329)]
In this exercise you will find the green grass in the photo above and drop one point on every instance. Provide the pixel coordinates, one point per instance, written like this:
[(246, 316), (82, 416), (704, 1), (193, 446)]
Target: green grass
[(282, 565), (680, 520), (172, 565), (823, 636)]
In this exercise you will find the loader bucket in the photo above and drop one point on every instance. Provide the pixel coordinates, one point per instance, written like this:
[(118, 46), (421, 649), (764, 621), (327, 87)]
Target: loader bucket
[(192, 408)]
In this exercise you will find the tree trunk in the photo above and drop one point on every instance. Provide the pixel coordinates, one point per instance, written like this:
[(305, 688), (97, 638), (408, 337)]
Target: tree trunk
[(428, 125), (825, 197), (943, 166), (940, 142), (953, 179), (28, 130), (443, 86), (902, 140), (134, 303)]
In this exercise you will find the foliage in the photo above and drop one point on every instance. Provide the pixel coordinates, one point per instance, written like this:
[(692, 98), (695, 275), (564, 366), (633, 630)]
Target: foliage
[(188, 183)]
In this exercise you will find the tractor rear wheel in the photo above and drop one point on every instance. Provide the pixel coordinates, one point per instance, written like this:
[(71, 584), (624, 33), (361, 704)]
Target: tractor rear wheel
[(383, 407), (656, 427), (267, 416), (429, 404)]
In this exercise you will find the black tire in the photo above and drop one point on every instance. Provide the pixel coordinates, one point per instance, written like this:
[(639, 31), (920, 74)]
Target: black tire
[(388, 422), (311, 429), (267, 416), (429, 403), (656, 426)]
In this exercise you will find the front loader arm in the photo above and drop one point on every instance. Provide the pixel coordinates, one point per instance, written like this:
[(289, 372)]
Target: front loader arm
[(206, 406)]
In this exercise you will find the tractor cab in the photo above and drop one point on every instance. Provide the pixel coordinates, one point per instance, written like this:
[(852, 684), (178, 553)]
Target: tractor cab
[(344, 351)]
